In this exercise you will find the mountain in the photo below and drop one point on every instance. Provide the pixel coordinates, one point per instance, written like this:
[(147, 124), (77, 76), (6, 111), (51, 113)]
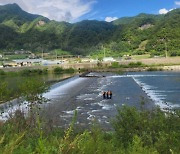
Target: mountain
[(13, 11), (146, 18), (150, 33), (135, 35)]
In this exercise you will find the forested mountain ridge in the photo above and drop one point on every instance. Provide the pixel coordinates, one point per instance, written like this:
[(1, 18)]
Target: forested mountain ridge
[(15, 13), (139, 34)]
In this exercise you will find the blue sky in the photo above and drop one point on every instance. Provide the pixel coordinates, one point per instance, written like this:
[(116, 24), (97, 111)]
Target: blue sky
[(122, 8), (77, 10)]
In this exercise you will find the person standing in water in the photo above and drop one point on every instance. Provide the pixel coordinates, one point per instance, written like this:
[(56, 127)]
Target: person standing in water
[(104, 95), (107, 94), (110, 94)]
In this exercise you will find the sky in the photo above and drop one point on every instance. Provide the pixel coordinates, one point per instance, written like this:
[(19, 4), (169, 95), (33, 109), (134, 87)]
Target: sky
[(107, 10)]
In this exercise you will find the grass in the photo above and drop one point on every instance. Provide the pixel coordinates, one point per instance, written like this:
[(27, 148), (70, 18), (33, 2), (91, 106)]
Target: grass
[(59, 70), (135, 132), (25, 72), (154, 69), (141, 66), (140, 57), (20, 56), (33, 72), (130, 65), (2, 72), (60, 52)]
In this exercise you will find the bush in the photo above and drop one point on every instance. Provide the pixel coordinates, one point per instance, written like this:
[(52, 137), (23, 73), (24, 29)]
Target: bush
[(114, 64), (174, 53), (58, 70), (154, 128), (45, 71), (69, 70), (138, 52), (135, 132), (2, 72), (154, 69), (137, 64), (27, 72)]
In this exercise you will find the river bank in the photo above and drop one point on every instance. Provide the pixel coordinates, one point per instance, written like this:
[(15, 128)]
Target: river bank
[(169, 63), (105, 67), (139, 69)]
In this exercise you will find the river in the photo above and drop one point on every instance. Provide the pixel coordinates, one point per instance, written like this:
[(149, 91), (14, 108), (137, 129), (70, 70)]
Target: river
[(85, 96)]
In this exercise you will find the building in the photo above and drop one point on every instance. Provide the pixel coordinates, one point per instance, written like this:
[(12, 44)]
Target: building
[(52, 62), (10, 64), (27, 62), (16, 52), (108, 59)]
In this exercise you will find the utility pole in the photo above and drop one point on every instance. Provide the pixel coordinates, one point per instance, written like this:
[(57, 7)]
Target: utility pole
[(104, 51), (166, 49), (42, 54), (165, 42), (56, 55)]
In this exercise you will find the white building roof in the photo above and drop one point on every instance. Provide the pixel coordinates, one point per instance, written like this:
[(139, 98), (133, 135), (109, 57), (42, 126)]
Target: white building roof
[(28, 60), (108, 59)]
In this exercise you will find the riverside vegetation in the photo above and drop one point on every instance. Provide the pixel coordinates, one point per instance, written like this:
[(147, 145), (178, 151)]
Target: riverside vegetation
[(7, 93), (33, 72), (135, 131), (135, 65)]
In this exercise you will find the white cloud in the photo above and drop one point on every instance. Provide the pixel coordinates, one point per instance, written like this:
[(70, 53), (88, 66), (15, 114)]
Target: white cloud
[(177, 3), (60, 10), (109, 19), (164, 11)]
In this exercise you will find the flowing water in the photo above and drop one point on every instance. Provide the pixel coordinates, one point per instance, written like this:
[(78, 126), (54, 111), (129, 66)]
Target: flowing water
[(85, 96)]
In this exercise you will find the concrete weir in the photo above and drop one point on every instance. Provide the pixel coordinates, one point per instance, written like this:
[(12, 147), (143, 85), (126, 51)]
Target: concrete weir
[(88, 75)]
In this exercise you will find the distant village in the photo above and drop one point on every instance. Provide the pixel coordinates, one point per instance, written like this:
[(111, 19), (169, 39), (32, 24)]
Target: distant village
[(30, 59)]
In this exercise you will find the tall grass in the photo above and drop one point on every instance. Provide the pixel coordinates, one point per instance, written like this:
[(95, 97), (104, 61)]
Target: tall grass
[(130, 65), (59, 70), (33, 72), (134, 132), (25, 72)]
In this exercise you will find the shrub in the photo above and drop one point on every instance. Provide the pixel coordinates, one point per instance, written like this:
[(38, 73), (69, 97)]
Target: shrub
[(154, 128), (69, 70), (2, 72), (135, 132), (114, 64), (137, 64), (27, 72), (154, 69), (58, 70)]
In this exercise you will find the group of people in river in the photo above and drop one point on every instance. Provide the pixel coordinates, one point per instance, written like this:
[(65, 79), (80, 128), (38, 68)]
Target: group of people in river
[(107, 95)]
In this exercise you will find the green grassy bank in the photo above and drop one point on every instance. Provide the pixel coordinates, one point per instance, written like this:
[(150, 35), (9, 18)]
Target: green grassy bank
[(32, 72)]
